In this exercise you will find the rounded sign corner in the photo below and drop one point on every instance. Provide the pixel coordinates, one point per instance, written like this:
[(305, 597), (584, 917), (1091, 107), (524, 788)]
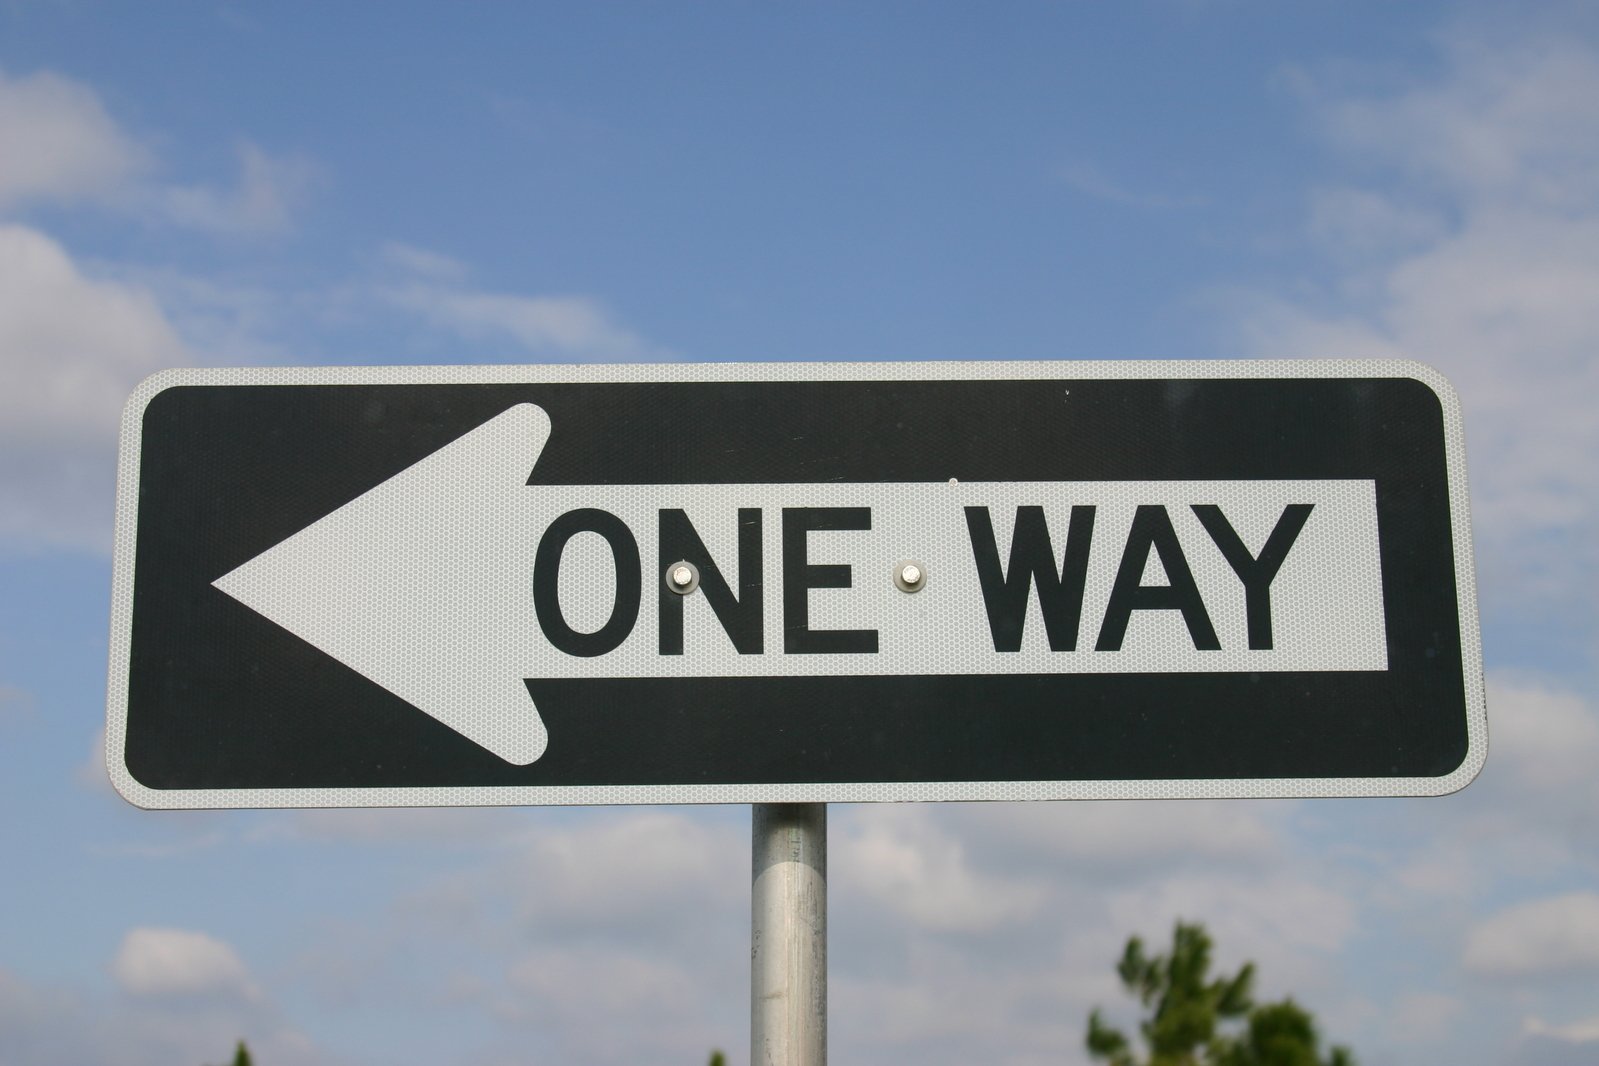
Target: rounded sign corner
[(146, 391), (1465, 772), (129, 787), (1434, 379)]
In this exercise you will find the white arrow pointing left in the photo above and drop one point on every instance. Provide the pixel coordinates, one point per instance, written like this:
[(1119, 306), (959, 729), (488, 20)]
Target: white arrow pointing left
[(441, 642)]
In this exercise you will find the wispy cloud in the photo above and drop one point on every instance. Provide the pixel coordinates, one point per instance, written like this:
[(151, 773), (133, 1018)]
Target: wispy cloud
[(436, 289), (1093, 182), (922, 874), (571, 326), (180, 997), (267, 197), (1474, 225), (60, 144), (72, 347), (180, 963), (1511, 123), (1585, 1031), (581, 917), (76, 338), (1553, 937), (419, 263), (1424, 1017), (582, 990)]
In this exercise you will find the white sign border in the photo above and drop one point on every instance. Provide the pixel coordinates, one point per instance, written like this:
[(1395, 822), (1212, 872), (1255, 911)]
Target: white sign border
[(806, 792)]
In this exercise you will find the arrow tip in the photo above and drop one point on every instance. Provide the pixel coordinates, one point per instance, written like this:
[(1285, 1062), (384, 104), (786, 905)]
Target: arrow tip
[(413, 584)]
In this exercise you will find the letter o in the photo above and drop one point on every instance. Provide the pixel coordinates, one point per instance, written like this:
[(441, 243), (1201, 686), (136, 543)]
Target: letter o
[(546, 582)]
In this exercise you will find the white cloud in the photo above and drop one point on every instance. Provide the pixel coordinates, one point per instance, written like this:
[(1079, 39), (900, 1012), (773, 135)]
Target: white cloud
[(1479, 223), (1585, 1031), (954, 1008), (72, 348), (434, 287), (658, 885), (603, 983), (45, 1026), (228, 321), (1360, 221), (185, 845), (1511, 121), (1553, 937), (1111, 840), (419, 262), (580, 993), (1423, 1017), (60, 144), (906, 861), (91, 773), (637, 914), (1545, 741), (1530, 816), (436, 826), (986, 932), (74, 342), (1091, 181), (574, 327), (178, 963), (269, 192), (1285, 919), (617, 870), (1445, 869)]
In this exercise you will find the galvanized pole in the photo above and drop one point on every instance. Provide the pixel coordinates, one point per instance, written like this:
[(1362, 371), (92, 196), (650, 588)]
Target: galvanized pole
[(788, 935)]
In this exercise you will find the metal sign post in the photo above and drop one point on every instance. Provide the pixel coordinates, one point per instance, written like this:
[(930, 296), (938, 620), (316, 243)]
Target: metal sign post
[(788, 934)]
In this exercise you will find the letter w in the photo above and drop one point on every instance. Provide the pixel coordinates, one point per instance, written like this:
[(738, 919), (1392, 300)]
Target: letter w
[(1032, 562)]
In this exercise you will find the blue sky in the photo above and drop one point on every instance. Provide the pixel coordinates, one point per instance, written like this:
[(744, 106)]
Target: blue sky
[(214, 185)]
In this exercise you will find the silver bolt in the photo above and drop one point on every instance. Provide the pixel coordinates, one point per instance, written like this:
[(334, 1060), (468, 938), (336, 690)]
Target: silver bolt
[(910, 577), (682, 578)]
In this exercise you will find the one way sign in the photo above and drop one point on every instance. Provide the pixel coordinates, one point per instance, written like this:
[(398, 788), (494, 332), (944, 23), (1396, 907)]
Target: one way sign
[(791, 582)]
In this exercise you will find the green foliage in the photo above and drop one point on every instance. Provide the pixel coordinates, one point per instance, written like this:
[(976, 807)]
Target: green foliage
[(1281, 1034), (718, 1059), (241, 1056), (1187, 1011)]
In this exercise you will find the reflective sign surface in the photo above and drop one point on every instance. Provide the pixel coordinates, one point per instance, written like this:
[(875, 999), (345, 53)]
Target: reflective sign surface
[(441, 585)]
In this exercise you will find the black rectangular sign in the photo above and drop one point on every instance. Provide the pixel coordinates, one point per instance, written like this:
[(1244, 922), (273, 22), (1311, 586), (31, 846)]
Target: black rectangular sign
[(792, 582)]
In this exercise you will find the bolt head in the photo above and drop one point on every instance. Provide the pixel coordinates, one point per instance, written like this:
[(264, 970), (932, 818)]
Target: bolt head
[(909, 576), (682, 575)]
